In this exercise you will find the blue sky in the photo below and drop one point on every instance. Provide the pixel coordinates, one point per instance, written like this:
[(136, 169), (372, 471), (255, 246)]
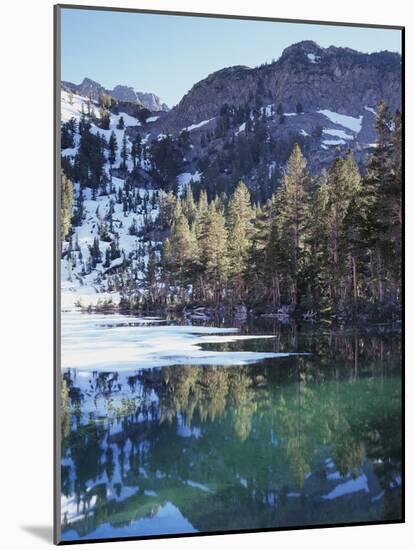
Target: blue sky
[(168, 54)]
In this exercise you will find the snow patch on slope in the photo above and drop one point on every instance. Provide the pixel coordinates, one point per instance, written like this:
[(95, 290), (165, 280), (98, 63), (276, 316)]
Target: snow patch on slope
[(241, 128), (313, 58), (333, 142), (350, 122), (198, 125), (337, 133), (184, 179)]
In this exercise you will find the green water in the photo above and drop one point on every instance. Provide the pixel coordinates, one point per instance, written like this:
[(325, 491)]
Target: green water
[(294, 441)]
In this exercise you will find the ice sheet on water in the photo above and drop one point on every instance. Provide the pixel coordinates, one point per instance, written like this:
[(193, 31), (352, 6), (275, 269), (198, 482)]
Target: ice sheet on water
[(117, 342)]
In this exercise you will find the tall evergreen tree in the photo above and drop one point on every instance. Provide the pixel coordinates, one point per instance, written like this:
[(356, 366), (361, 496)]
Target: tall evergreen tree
[(189, 206), (112, 149), (136, 150), (124, 153), (214, 244), (344, 185), (277, 253), (293, 204), (66, 205), (240, 229), (151, 275), (95, 252), (104, 119), (320, 276), (383, 189), (184, 251)]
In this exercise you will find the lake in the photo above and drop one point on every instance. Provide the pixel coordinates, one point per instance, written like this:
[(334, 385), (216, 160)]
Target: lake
[(178, 428)]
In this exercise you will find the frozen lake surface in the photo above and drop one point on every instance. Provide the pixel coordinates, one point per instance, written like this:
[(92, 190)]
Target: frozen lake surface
[(106, 342)]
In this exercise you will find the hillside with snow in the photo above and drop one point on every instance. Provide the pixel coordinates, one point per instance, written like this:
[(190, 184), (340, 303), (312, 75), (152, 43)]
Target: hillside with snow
[(123, 159)]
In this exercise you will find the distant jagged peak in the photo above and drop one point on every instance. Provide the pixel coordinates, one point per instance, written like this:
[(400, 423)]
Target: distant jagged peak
[(89, 82), (124, 93), (121, 92)]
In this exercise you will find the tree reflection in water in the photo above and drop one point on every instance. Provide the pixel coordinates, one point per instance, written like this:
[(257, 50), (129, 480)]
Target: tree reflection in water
[(294, 441)]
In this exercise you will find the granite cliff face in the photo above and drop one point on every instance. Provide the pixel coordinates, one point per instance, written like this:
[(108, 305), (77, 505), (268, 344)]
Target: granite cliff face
[(339, 79), (325, 99), (151, 101)]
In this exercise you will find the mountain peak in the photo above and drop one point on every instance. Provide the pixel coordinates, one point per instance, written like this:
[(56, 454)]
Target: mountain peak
[(305, 46), (88, 81)]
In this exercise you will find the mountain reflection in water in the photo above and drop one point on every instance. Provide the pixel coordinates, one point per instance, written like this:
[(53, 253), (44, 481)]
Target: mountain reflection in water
[(296, 440)]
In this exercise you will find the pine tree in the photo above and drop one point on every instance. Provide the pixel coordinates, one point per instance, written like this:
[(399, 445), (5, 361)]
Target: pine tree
[(136, 150), (124, 153), (255, 275), (67, 134), (104, 100), (66, 205), (107, 262), (167, 161), (214, 244), (277, 252), (90, 160), (95, 252), (104, 119), (112, 149), (383, 193), (320, 275), (184, 250), (189, 206), (151, 275), (133, 230), (344, 185), (293, 201), (121, 123), (115, 249), (240, 229), (166, 267), (167, 208)]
